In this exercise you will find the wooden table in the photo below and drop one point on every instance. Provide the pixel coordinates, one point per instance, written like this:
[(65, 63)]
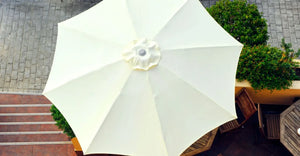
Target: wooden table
[(289, 124), (201, 145)]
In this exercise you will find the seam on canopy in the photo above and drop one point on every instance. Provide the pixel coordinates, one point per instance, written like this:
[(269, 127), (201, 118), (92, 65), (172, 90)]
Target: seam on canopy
[(153, 97), (109, 110), (200, 47), (168, 21), (193, 87)]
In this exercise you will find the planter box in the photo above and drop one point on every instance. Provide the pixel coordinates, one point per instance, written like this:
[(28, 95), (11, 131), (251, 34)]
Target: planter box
[(78, 150), (279, 97)]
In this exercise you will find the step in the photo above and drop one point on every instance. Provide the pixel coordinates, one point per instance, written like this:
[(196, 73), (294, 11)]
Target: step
[(27, 126), (34, 143), (38, 149), (24, 118), (33, 137), (23, 104), (19, 98), (23, 114), (25, 108)]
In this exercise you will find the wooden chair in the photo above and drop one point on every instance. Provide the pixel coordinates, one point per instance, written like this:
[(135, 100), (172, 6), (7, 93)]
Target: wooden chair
[(272, 122), (228, 126), (261, 125), (273, 126), (201, 145), (247, 107)]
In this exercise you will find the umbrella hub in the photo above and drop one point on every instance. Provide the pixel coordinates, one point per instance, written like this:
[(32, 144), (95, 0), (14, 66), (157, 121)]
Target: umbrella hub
[(142, 54)]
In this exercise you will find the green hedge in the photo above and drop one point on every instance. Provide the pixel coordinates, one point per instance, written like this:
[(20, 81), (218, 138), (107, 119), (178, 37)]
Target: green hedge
[(242, 20), (263, 66), (61, 122), (268, 67)]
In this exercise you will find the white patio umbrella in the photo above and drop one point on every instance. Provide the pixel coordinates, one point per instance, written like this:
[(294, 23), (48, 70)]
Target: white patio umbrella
[(141, 77)]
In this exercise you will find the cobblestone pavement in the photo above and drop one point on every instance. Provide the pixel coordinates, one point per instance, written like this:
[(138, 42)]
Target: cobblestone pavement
[(28, 30), (283, 18)]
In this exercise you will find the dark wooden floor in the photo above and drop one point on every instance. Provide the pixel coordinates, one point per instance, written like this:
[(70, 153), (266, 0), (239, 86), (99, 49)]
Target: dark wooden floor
[(246, 141)]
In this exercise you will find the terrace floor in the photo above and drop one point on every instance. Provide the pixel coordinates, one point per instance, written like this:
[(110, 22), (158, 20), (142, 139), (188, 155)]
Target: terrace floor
[(246, 141)]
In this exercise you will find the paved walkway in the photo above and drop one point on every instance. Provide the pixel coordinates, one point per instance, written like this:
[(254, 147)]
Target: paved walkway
[(28, 31), (283, 18)]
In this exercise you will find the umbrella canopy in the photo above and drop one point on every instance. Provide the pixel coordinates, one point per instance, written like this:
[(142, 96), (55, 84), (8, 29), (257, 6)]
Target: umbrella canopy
[(139, 77)]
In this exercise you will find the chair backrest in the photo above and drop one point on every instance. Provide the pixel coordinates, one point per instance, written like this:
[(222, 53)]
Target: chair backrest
[(269, 124), (245, 104), (247, 107), (273, 126), (260, 120)]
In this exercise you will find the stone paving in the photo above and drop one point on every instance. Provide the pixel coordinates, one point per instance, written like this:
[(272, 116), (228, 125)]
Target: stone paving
[(283, 18), (28, 30)]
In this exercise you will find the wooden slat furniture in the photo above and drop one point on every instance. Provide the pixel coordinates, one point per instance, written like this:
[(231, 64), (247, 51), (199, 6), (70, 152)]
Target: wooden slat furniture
[(268, 124), (273, 128), (201, 145), (289, 123), (245, 104), (260, 120), (247, 107), (228, 126)]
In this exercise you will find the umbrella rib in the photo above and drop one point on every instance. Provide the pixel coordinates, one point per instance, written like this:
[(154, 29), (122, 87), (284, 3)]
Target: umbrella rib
[(153, 97), (176, 12), (167, 69)]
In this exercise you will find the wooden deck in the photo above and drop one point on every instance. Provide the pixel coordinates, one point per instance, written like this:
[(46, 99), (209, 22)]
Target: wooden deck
[(246, 141)]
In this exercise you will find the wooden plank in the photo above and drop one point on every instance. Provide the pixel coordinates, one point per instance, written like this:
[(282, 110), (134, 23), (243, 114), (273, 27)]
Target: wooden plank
[(228, 126), (273, 127), (201, 145), (247, 107), (260, 120), (245, 104)]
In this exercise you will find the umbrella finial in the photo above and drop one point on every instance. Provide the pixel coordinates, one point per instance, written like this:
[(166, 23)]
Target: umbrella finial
[(142, 54)]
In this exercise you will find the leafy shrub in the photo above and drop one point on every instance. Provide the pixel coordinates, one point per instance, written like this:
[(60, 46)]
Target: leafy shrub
[(242, 20), (267, 67), (61, 122), (287, 47)]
